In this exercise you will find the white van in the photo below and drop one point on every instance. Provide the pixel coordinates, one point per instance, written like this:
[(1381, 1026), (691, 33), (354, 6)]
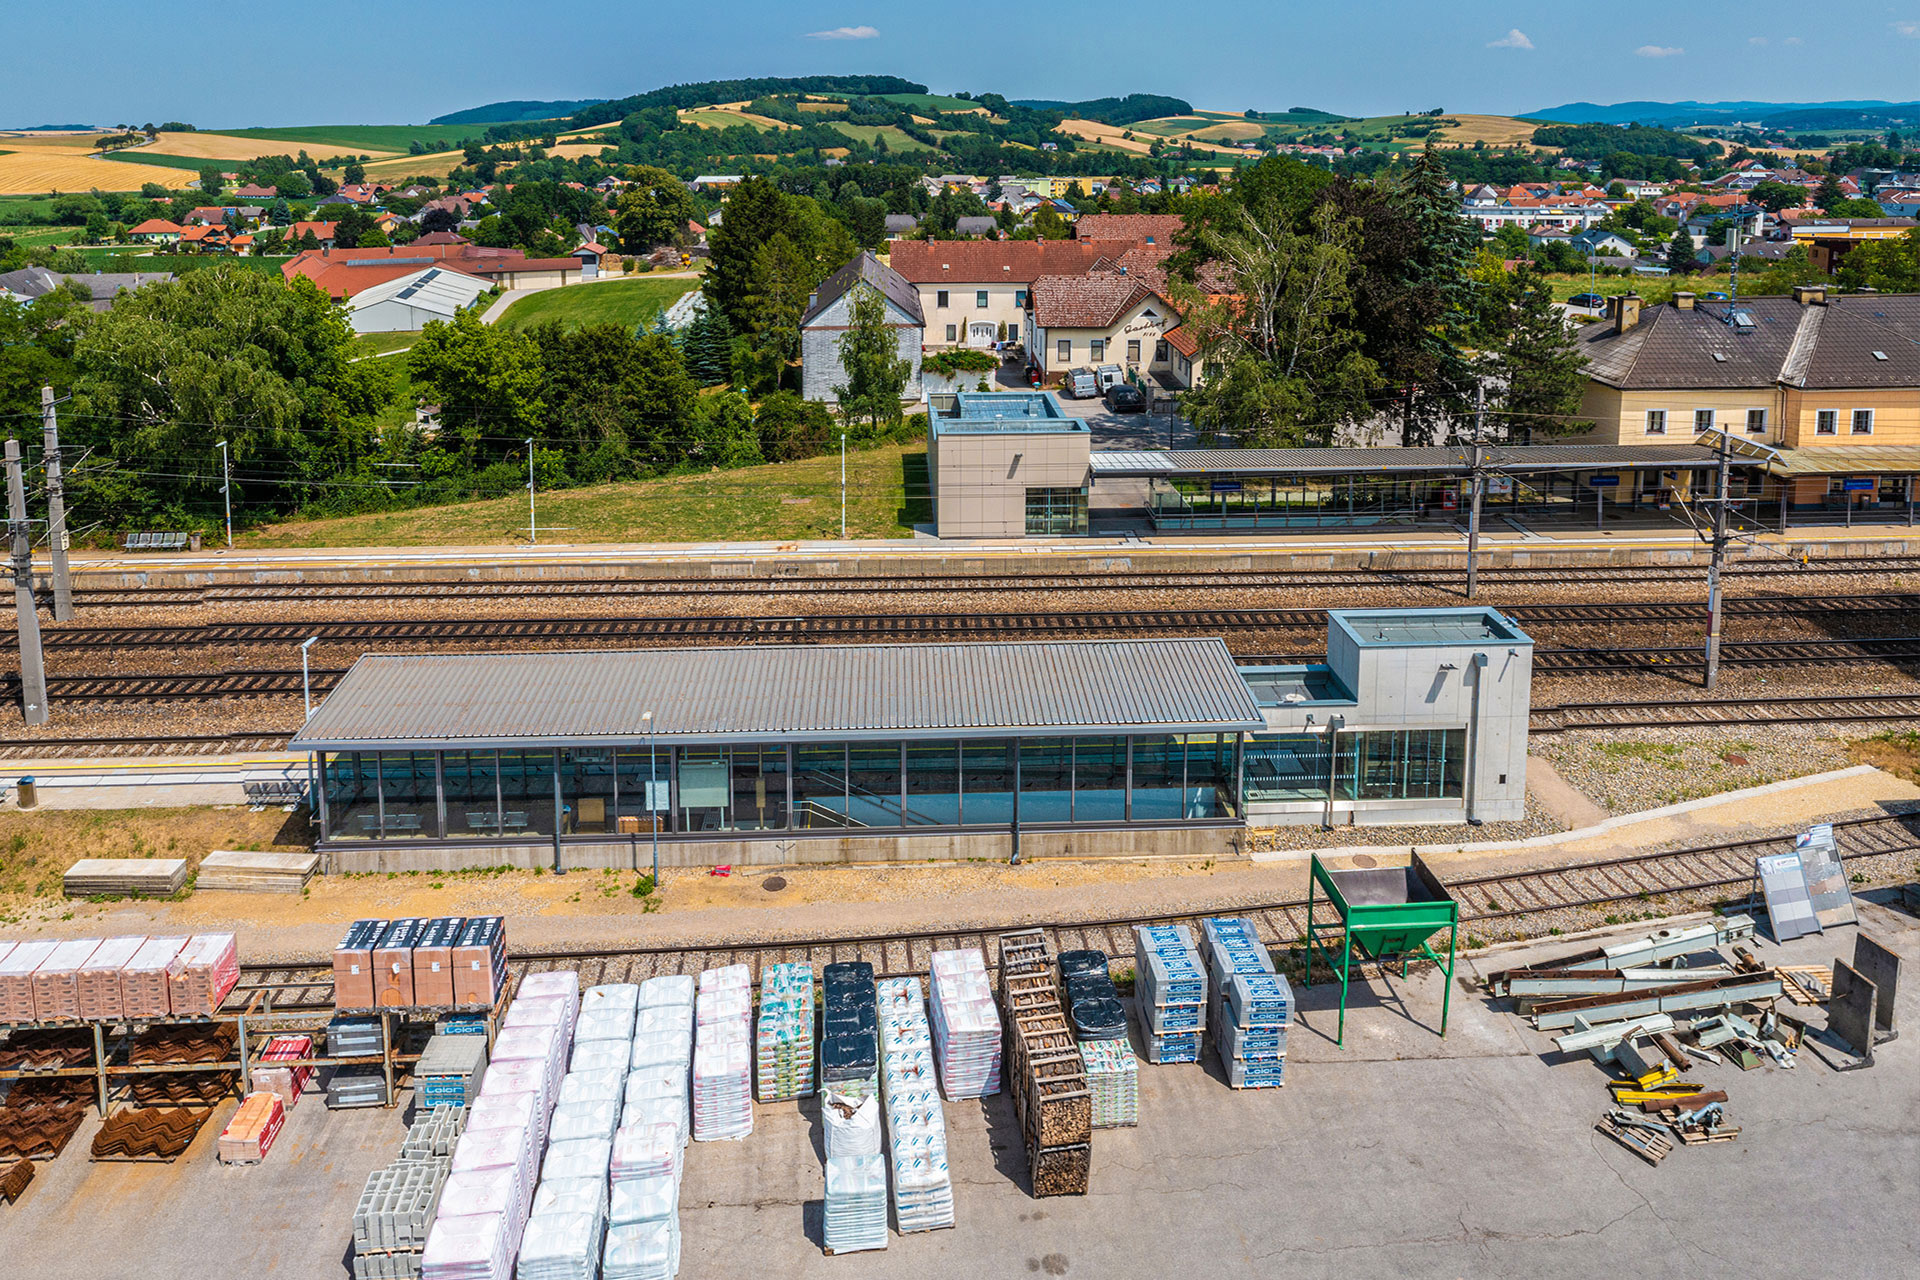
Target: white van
[(1108, 375), (1080, 384)]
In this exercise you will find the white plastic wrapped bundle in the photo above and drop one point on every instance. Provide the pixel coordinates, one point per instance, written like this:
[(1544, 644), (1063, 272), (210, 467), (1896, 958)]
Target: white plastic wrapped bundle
[(783, 1036), (852, 1125), (545, 1045), (570, 1195), (563, 982), (603, 1083), (642, 1251), (723, 1005), (604, 1023), (561, 1246), (650, 1105), (577, 1158), (856, 1205), (496, 1149), (598, 1055), (645, 1151), (1113, 1080), (965, 1024), (543, 1011), (518, 1075), (722, 1089), (643, 1199), (916, 1125), (728, 977), (677, 988), (518, 1109), (666, 1017), (611, 995), (467, 1247), (473, 1191), (586, 1119), (661, 1048)]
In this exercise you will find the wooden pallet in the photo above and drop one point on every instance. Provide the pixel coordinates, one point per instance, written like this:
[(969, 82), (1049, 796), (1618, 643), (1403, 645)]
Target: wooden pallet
[(1808, 984), (1649, 1146)]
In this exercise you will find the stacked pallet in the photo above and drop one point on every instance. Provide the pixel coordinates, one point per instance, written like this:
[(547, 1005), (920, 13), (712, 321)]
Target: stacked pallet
[(783, 1036), (200, 977), (353, 964), (1045, 1072), (353, 1037), (967, 1038), (181, 1088), (284, 1081), (250, 1133), (450, 1070), (1249, 1030), (916, 1126), (123, 877), (393, 963), (16, 979), (102, 979), (143, 982), (356, 1085), (1170, 992), (444, 962), (849, 1031), (176, 1046), (262, 872), (723, 1055), (480, 962)]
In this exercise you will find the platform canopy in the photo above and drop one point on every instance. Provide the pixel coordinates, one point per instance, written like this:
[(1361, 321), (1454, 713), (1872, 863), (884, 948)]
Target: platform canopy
[(788, 693), (1437, 460)]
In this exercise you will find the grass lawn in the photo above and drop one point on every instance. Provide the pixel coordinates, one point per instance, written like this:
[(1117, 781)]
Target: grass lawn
[(625, 302), (896, 140), (367, 137), (25, 208), (37, 848), (39, 237), (381, 344), (778, 502), (139, 155), (1654, 289)]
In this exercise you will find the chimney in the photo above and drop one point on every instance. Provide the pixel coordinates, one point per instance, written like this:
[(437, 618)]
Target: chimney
[(1810, 295), (1683, 300), (1627, 314)]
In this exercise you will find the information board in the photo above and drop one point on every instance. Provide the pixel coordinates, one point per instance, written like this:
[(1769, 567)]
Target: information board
[(1826, 877)]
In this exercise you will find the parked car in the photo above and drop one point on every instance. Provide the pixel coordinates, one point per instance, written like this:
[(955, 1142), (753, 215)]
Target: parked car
[(1080, 384), (1124, 397), (1591, 301), (1109, 375)]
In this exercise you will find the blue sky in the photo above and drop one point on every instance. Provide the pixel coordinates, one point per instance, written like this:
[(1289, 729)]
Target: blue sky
[(402, 61)]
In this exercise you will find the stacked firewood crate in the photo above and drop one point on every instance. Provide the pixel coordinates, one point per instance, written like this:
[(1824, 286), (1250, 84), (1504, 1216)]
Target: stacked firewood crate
[(1045, 1071)]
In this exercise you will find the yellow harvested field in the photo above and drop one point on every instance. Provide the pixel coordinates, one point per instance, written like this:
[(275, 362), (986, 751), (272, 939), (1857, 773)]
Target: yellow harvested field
[(721, 118), (821, 106), (436, 165), (64, 162), (221, 146), (1113, 136), (1495, 131), (1226, 131), (578, 150)]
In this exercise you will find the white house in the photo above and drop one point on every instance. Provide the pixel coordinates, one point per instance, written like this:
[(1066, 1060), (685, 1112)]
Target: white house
[(829, 316), (407, 303)]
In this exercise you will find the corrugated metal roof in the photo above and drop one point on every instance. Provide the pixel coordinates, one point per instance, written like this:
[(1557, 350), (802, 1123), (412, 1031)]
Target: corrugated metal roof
[(790, 693), (1451, 460), (1844, 459)]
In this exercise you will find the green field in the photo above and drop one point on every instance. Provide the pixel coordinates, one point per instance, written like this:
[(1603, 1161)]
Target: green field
[(1652, 289), (112, 259), (382, 344), (1167, 126), (777, 502), (139, 155), (372, 137), (623, 302), (925, 102), (38, 237), (16, 210), (896, 140)]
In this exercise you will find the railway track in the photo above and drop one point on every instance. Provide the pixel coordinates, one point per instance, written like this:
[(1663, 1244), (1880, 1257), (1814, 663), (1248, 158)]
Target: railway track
[(1501, 900), (745, 583), (898, 626)]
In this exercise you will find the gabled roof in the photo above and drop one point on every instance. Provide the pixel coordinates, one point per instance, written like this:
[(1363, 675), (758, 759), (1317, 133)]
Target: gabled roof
[(441, 290), (1091, 301), (1143, 228), (865, 268), (1856, 340), (156, 226), (998, 261)]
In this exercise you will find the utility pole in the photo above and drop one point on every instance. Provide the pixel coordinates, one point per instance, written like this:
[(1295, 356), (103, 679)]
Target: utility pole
[(1474, 471), (843, 485), (226, 486), (56, 511), (1714, 605), (33, 665), (533, 519)]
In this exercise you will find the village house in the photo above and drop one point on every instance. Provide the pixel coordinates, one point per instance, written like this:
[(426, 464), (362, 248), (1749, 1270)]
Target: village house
[(974, 292), (155, 231), (829, 315), (1105, 316)]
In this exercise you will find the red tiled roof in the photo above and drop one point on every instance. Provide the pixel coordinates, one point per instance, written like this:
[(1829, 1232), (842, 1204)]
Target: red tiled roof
[(191, 234), (1181, 339), (1004, 261), (156, 226), (1094, 300), (1158, 228), (441, 237), (209, 213)]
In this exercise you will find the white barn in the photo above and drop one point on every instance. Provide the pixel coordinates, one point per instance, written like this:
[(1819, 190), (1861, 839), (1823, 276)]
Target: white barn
[(406, 304)]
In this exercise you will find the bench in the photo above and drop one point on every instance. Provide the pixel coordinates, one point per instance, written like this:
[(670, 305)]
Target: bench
[(515, 821), (395, 822), (155, 542), (274, 791)]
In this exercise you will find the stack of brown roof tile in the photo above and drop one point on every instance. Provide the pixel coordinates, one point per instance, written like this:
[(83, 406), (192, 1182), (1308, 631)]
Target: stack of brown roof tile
[(148, 1133), (182, 1088), (45, 1050), (38, 1128), (14, 1181), (171, 1046)]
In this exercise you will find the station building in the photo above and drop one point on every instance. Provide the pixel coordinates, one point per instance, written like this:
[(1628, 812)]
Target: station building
[(851, 753)]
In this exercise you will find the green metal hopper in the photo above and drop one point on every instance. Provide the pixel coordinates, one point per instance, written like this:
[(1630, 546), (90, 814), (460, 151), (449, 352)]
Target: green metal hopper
[(1389, 913)]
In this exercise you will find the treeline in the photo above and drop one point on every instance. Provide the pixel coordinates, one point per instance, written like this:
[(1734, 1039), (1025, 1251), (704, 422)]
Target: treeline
[(1131, 109), (1595, 141)]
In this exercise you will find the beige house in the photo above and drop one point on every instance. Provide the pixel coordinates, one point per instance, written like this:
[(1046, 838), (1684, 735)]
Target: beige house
[(974, 293), (1008, 465), (1106, 317), (1831, 383)]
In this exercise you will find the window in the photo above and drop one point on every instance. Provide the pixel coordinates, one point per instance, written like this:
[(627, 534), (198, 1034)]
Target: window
[(1020, 298), (1826, 422), (986, 782), (1099, 350), (1403, 764), (1287, 767), (980, 299), (1064, 350), (1656, 422), (1756, 422), (1133, 351), (1159, 353), (933, 785), (940, 298), (1099, 779), (953, 332), (820, 785), (1046, 780), (1703, 419), (1863, 422), (1054, 511)]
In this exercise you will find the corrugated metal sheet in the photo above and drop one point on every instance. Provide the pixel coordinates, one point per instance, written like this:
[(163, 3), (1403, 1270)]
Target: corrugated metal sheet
[(1449, 460), (824, 692), (1844, 459)]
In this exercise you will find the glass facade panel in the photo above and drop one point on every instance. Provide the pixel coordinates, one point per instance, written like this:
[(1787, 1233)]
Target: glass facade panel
[(1056, 511), (704, 790), (1403, 764), (1099, 779), (986, 782), (586, 791), (473, 800), (873, 784), (933, 784), (1046, 780), (1159, 775), (526, 793), (820, 785), (353, 798), (1211, 790), (759, 788), (1286, 767), (636, 772), (408, 790)]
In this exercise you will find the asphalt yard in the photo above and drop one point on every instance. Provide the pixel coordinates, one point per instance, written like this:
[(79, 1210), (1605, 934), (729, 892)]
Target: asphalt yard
[(1401, 1154)]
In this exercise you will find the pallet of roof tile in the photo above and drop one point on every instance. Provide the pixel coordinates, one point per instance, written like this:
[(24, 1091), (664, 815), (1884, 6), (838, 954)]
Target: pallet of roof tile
[(16, 978), (124, 877), (38, 1130), (149, 1133), (181, 1088), (200, 977), (56, 983), (263, 872), (250, 1132), (45, 1050), (175, 1045), (13, 1183)]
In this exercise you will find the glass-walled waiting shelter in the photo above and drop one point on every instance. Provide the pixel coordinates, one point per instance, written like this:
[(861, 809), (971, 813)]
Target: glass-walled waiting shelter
[(781, 744)]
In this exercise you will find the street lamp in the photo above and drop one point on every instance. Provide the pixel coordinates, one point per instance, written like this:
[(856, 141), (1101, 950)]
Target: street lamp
[(533, 521), (843, 486), (653, 805), (226, 488)]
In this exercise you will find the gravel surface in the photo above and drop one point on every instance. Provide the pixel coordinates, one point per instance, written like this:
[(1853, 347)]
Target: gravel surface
[(1630, 770), (1538, 822)]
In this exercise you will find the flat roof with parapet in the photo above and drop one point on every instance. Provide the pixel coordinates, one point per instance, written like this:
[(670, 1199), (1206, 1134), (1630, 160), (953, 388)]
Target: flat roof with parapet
[(791, 693), (1390, 628), (1288, 686), (1005, 412)]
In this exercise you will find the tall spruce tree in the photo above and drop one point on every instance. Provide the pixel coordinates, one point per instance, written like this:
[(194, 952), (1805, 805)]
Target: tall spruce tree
[(1680, 261), (1539, 367)]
